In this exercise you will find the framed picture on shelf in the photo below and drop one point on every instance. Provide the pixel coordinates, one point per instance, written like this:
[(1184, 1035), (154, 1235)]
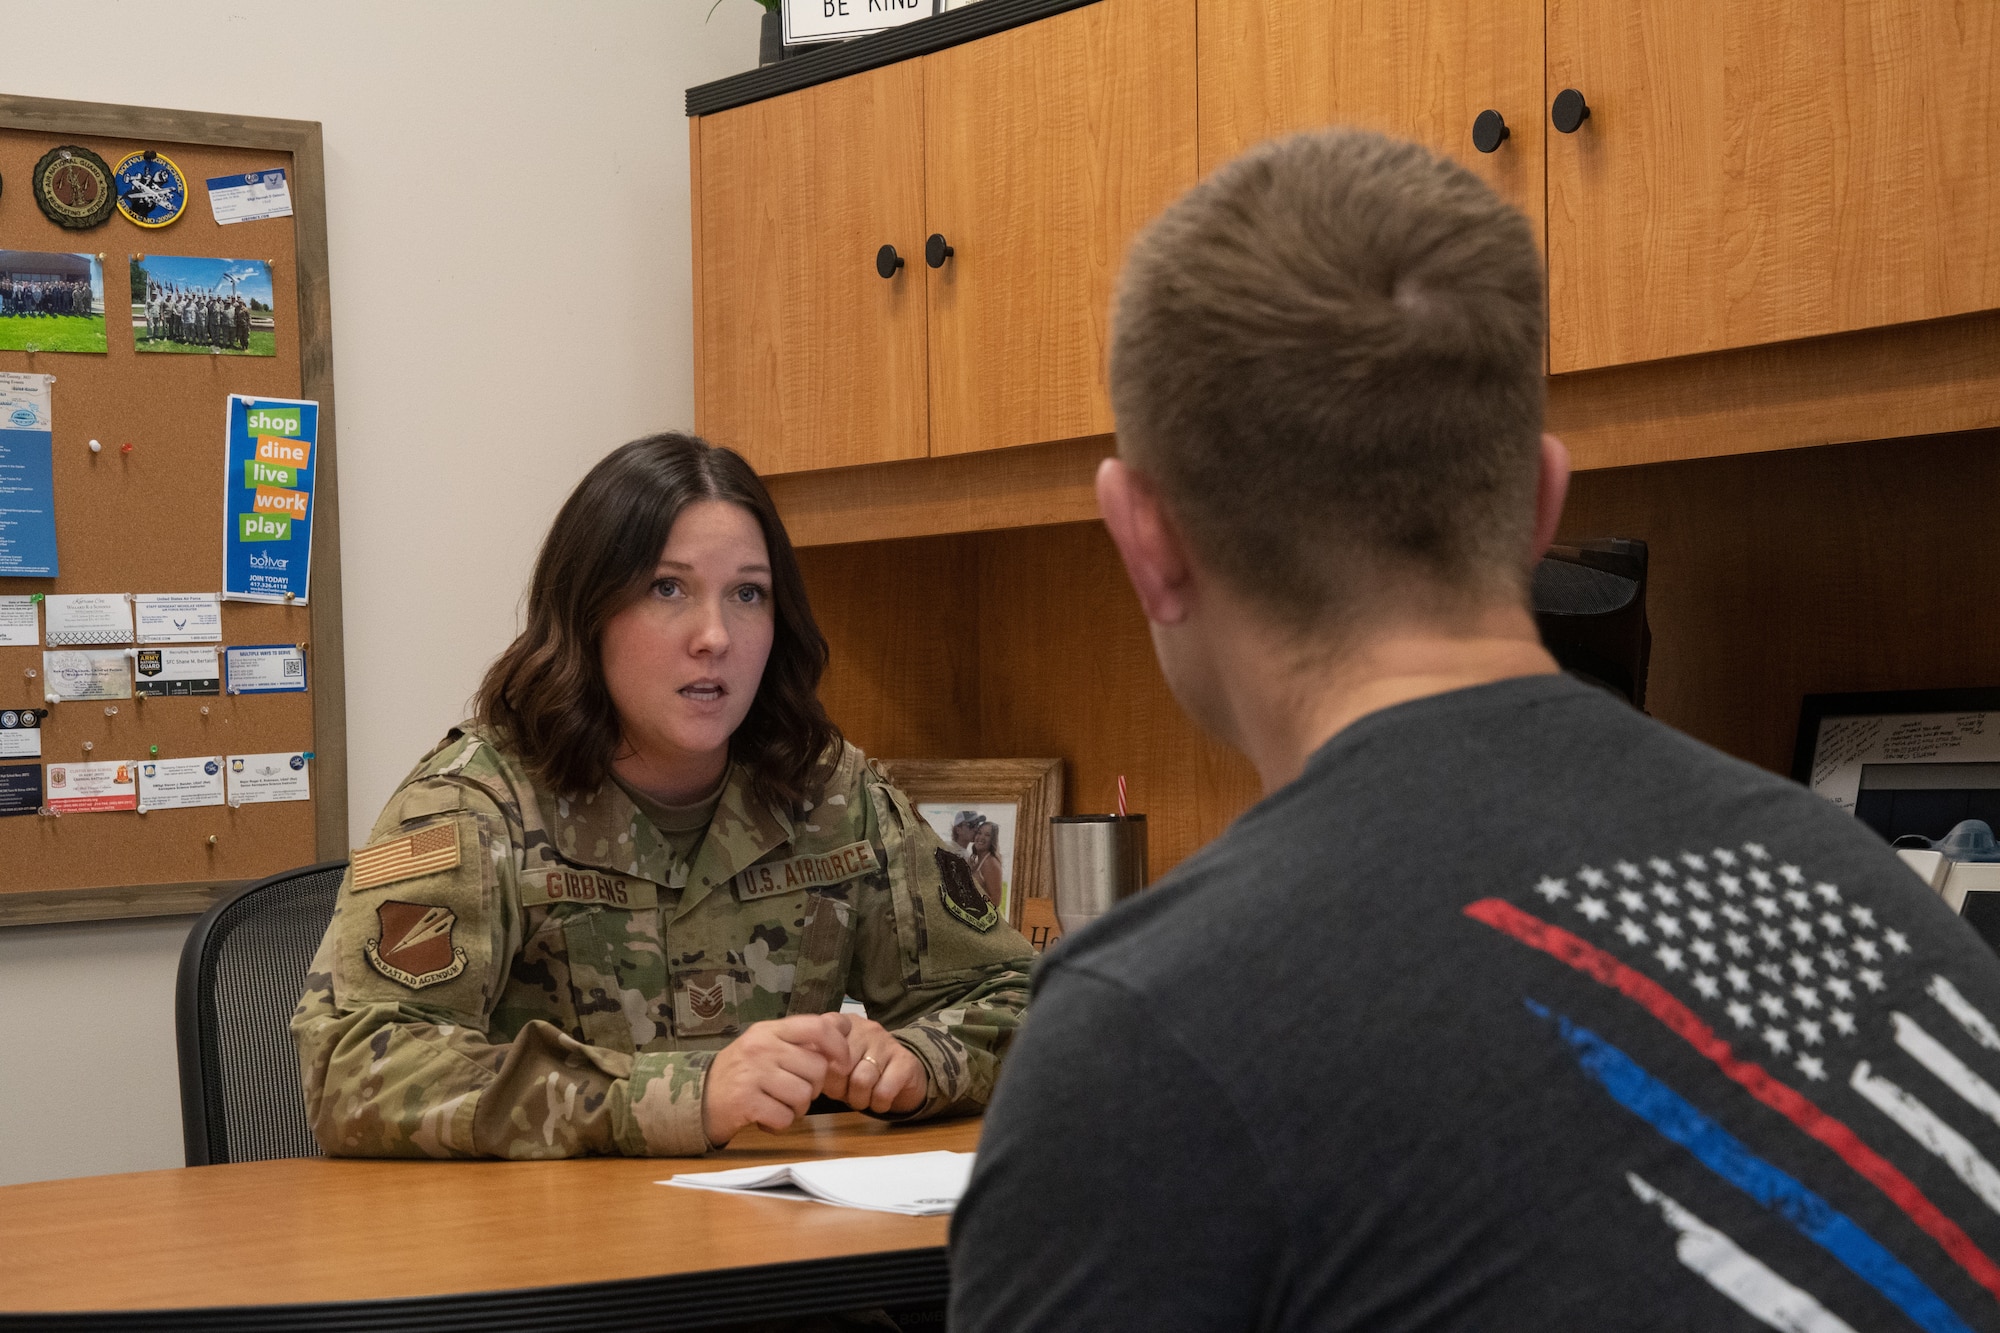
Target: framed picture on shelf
[(1904, 762), (996, 813)]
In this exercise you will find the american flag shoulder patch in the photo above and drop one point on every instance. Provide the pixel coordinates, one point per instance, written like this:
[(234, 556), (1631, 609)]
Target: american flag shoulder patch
[(405, 856)]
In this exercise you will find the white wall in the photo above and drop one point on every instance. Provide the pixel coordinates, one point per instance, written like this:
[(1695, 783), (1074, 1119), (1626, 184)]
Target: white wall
[(467, 143)]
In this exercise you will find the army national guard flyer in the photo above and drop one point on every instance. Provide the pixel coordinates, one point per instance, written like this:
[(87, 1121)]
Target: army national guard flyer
[(267, 496)]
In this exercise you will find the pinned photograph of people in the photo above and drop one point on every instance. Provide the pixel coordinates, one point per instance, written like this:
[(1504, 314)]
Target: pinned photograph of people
[(984, 836), (51, 302), (185, 303)]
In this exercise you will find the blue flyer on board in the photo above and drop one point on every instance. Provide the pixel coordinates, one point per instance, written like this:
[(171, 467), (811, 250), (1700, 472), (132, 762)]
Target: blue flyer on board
[(27, 478), (267, 499)]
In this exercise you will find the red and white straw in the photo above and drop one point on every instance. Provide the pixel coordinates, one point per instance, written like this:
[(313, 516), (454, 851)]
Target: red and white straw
[(1121, 796)]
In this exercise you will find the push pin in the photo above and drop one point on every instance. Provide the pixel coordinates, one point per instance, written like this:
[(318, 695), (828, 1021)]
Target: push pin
[(153, 750), (29, 673), (211, 840), (111, 710), (88, 747), (96, 448), (290, 596), (204, 710), (125, 448)]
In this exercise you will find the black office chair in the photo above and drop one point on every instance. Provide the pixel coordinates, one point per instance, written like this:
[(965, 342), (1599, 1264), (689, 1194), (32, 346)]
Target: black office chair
[(242, 969)]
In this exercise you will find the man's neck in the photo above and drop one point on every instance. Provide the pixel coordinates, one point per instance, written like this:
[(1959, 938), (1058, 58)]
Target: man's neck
[(1296, 703)]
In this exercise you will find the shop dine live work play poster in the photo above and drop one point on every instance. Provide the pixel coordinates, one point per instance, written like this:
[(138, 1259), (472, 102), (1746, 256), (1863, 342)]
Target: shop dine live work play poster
[(267, 493)]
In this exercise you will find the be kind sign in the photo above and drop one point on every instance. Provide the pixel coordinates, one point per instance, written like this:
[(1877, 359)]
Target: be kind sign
[(267, 489), (827, 20)]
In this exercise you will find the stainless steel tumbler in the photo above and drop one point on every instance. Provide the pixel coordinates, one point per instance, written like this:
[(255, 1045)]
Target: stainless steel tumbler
[(1099, 860)]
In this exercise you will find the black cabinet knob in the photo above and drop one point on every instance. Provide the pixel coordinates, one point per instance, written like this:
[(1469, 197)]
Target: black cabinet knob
[(936, 251), (1489, 131), (887, 261), (1569, 111)]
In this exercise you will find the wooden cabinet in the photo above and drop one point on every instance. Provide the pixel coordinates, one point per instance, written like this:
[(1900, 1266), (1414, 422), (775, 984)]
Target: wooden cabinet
[(1418, 69), (1045, 149), (1758, 172), (808, 358), (1036, 153)]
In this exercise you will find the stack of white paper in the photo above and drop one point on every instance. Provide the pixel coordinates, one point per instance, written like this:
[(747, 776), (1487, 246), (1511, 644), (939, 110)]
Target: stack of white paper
[(916, 1184)]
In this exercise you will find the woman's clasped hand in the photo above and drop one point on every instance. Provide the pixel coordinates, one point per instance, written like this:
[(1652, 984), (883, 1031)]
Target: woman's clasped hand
[(771, 1074)]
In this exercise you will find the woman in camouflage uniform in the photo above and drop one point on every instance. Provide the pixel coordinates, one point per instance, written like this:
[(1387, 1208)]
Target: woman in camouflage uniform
[(618, 910)]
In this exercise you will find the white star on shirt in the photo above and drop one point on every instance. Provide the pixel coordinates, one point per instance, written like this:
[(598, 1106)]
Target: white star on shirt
[(1767, 907), (1738, 944), (1827, 891), (1778, 1040), (1708, 986), (1665, 893), (1737, 977), (1702, 920), (1626, 870), (1593, 877), (1705, 950), (1771, 1004), (1842, 1020), (1698, 891), (1791, 874), (1551, 889), (1760, 878), (1661, 866), (1593, 909), (1667, 926), (1801, 964), (1693, 862), (1631, 931), (1807, 997), (1771, 972), (1634, 901), (1670, 957), (1772, 939), (1872, 979), (1799, 899), (1800, 928), (1866, 949), (1832, 924), (1840, 988), (1809, 1029), (1722, 856), (1732, 913), (1812, 1067), (1865, 915), (1833, 958), (1897, 940), (1731, 884), (1739, 1013)]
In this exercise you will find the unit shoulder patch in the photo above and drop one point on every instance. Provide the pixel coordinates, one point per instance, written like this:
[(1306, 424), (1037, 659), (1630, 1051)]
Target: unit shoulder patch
[(414, 947), (405, 856), (812, 870), (961, 895)]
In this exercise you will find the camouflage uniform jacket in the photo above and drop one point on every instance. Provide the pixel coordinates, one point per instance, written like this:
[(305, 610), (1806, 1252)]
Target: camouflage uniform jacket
[(510, 974)]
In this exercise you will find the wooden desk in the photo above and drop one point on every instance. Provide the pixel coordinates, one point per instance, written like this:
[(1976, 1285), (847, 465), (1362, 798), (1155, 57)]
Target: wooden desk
[(594, 1243)]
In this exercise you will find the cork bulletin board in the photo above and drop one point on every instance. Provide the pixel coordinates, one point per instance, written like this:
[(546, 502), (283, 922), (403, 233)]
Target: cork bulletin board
[(151, 520)]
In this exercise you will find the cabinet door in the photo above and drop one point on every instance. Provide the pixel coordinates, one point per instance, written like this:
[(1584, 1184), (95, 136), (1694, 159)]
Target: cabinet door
[(1418, 69), (1046, 147), (807, 357), (1760, 170)]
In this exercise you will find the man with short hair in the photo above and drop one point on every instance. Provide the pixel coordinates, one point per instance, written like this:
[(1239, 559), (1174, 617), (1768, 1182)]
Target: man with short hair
[(1507, 1007)]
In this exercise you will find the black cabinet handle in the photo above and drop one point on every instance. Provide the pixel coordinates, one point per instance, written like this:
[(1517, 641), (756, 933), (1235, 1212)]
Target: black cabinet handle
[(936, 251), (887, 261), (1489, 131), (1569, 111)]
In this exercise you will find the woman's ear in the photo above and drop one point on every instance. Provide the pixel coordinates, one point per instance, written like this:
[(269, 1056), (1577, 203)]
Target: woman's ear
[(1148, 542)]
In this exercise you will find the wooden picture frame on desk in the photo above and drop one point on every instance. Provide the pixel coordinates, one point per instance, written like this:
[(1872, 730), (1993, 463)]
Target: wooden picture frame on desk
[(1034, 787)]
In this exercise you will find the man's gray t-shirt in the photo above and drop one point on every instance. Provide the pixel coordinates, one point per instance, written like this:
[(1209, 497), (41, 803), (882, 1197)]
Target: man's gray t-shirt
[(1516, 1010)]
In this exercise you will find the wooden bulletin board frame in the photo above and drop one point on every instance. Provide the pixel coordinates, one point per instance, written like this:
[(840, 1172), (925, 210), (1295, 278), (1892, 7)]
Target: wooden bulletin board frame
[(300, 140)]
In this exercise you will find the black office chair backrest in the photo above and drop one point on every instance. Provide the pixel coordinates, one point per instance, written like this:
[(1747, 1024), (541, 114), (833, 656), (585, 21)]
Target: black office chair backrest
[(242, 970)]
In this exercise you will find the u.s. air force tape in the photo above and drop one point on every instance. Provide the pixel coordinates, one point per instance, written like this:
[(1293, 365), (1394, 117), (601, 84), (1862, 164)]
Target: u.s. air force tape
[(805, 872)]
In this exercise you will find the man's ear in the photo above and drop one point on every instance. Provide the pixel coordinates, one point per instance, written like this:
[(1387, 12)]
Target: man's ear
[(1551, 489), (1154, 555)]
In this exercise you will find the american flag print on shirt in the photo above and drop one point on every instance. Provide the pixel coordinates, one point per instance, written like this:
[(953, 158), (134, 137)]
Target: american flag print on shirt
[(1786, 985)]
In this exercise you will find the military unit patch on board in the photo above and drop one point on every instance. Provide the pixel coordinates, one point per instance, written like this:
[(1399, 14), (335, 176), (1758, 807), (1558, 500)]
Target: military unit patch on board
[(73, 187), (152, 191)]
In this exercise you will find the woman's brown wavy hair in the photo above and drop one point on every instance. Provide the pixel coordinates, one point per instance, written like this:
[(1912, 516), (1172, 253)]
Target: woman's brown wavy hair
[(546, 696)]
